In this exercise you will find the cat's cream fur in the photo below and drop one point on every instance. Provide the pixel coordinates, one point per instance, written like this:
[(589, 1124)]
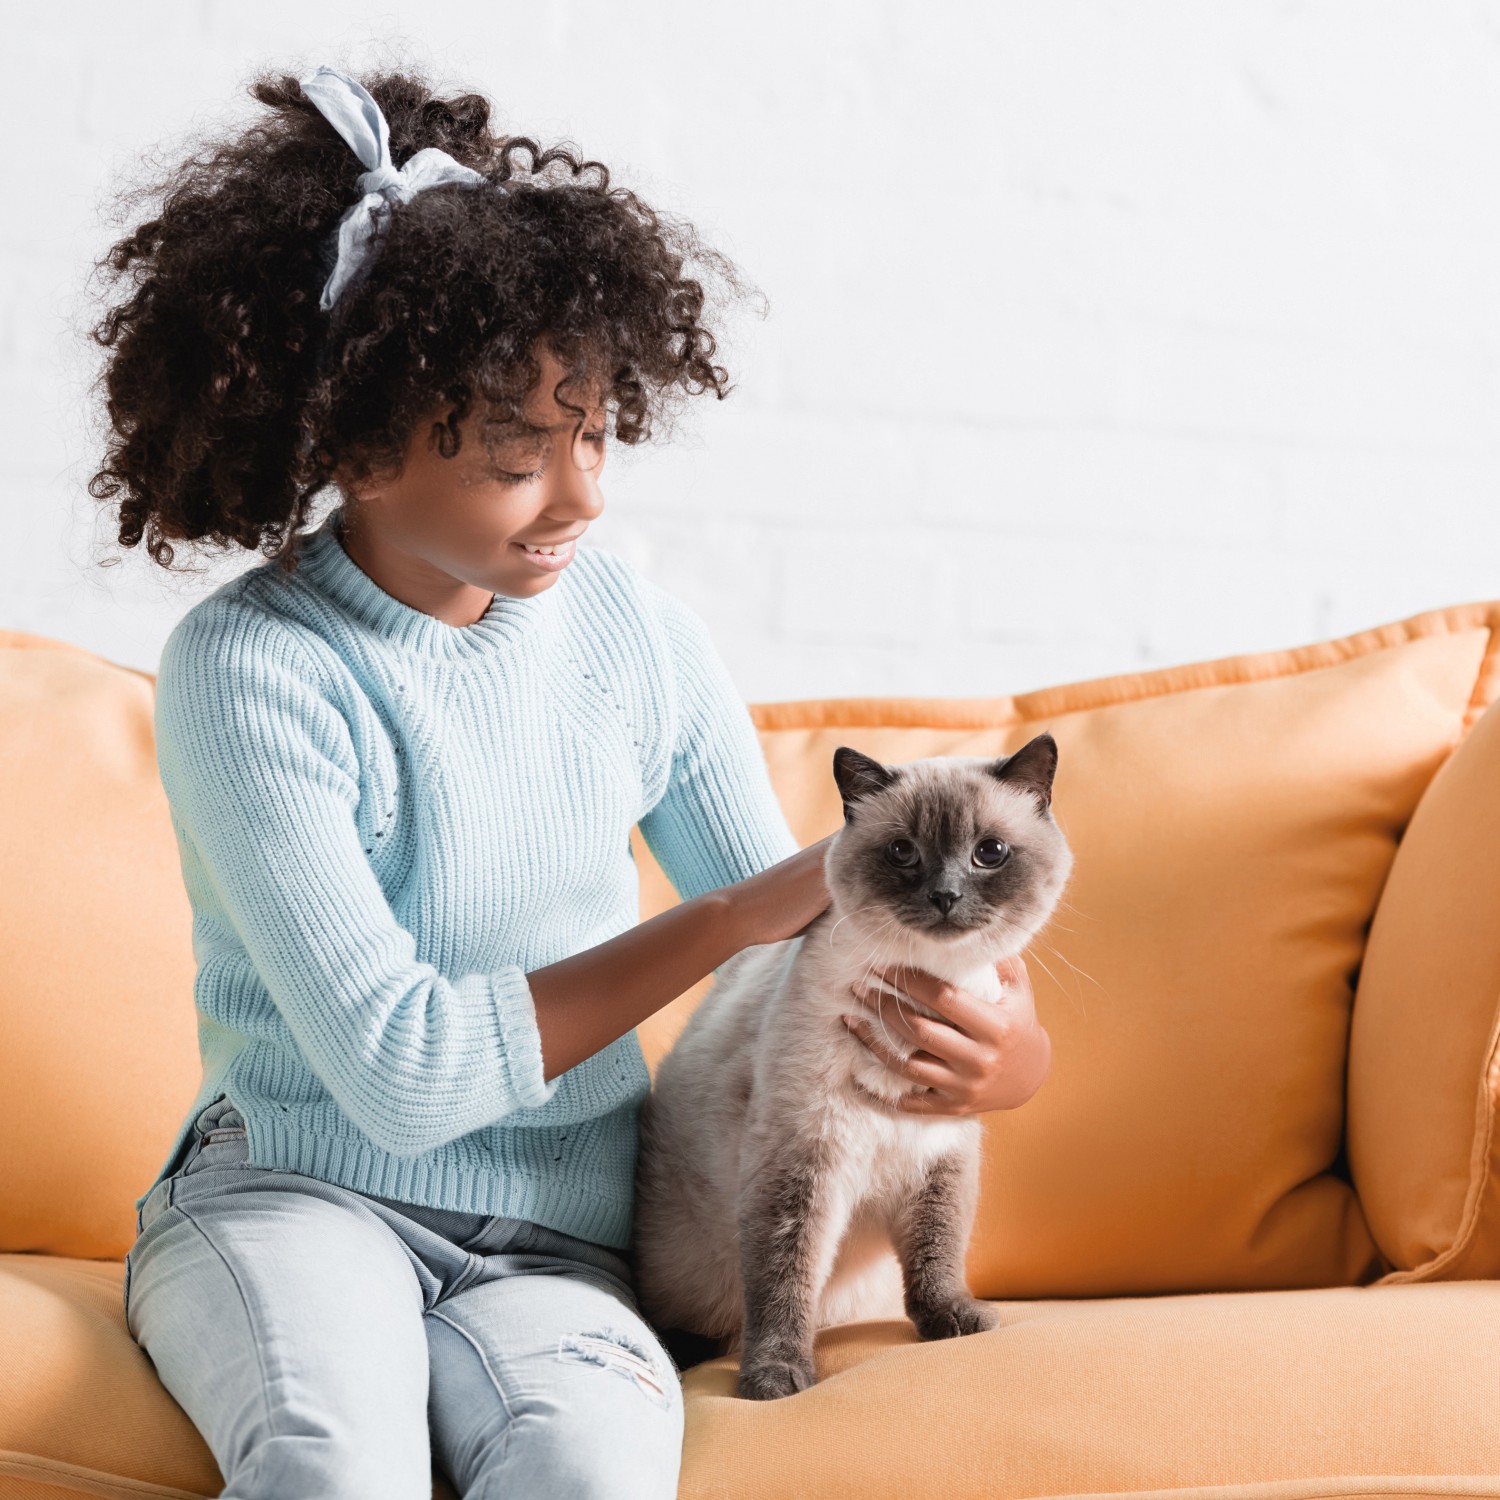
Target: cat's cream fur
[(771, 1184)]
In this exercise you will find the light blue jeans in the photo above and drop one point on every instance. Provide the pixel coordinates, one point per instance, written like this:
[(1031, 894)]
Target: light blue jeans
[(331, 1344)]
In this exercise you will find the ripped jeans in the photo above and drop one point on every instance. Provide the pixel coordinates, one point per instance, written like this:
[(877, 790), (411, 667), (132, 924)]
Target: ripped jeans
[(326, 1342)]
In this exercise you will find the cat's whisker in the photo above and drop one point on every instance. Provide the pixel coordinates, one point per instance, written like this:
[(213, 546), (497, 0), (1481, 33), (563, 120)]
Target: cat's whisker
[(1078, 911), (1077, 994), (871, 979), (854, 913), (1032, 953), (1063, 958), (1056, 926), (907, 963)]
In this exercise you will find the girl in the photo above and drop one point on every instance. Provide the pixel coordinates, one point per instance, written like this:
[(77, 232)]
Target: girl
[(403, 756)]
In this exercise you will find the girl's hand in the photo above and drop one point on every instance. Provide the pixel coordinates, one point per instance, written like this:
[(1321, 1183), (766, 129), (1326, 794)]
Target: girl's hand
[(782, 899), (991, 1056)]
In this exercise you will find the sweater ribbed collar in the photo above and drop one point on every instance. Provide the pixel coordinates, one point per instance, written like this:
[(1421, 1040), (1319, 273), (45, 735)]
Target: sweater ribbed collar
[(328, 568)]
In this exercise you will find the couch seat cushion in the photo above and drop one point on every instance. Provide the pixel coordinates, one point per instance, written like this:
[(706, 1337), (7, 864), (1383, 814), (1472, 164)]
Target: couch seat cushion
[(1274, 1395)]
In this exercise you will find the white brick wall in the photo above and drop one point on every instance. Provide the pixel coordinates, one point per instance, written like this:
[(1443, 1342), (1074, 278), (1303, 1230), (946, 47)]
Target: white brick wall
[(1101, 336)]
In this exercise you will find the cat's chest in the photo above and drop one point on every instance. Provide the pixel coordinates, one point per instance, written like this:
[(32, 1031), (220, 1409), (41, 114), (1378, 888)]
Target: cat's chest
[(889, 1154), (810, 1073)]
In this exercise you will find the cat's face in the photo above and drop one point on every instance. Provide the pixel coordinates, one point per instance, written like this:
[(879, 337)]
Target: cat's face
[(953, 848)]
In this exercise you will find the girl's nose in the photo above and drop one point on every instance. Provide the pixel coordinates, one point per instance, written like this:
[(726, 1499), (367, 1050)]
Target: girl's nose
[(577, 489)]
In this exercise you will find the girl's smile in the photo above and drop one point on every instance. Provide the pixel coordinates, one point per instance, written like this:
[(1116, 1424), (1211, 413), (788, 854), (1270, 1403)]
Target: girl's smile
[(552, 561)]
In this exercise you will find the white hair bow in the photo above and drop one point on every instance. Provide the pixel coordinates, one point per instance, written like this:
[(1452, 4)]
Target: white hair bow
[(351, 111)]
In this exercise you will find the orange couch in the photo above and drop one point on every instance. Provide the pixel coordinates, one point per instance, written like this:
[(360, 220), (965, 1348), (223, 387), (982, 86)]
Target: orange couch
[(1245, 1240)]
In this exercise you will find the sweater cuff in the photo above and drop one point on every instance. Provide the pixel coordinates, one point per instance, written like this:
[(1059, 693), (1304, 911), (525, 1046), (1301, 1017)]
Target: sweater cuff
[(520, 1041)]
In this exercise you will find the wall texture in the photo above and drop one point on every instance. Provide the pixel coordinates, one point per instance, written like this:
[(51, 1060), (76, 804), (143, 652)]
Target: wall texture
[(1098, 336)]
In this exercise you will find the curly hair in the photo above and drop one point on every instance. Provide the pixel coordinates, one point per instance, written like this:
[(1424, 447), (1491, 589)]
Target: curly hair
[(232, 399)]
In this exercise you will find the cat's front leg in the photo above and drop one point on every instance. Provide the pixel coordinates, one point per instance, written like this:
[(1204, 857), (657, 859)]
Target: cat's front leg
[(931, 1233), (787, 1241)]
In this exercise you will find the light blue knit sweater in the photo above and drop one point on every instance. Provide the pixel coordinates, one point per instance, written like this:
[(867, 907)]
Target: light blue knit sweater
[(385, 822)]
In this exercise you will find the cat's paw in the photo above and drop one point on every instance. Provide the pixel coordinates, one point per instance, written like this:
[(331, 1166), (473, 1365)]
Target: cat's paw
[(952, 1320), (772, 1379)]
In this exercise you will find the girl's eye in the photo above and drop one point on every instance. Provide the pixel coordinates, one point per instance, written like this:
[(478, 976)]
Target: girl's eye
[(519, 453), (991, 853), (901, 852), (505, 477)]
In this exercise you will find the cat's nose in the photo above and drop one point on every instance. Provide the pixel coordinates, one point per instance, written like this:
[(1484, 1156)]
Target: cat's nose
[(944, 900)]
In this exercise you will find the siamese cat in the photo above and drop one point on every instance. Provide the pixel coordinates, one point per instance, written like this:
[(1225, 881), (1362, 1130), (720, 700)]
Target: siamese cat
[(775, 1176)]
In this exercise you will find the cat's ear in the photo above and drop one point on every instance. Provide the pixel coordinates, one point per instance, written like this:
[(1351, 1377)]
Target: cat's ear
[(1031, 768), (858, 775)]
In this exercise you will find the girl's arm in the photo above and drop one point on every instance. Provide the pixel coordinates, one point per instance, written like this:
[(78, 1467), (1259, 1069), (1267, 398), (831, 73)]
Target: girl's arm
[(587, 1000)]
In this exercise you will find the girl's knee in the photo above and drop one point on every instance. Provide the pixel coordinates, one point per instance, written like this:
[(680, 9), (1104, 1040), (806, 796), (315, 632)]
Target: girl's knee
[(622, 1432), (598, 1417)]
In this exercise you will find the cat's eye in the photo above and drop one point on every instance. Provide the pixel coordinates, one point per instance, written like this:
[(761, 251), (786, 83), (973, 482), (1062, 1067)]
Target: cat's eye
[(991, 853), (901, 852)]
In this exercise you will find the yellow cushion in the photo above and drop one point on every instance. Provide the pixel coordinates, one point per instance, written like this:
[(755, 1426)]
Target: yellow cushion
[(1233, 823), (100, 1056), (1424, 1052), (1275, 1395), (1284, 1391)]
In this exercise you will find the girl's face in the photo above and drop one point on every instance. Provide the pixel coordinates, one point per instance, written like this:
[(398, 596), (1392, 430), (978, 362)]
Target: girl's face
[(448, 533)]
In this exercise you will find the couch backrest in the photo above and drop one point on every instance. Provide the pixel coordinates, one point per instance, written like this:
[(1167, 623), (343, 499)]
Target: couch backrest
[(1233, 824), (100, 1052)]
